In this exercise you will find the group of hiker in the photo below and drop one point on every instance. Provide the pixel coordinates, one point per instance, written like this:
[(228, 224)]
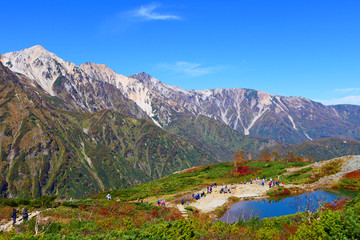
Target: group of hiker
[(264, 181), (225, 189), (161, 202), (183, 202), (25, 215), (208, 190)]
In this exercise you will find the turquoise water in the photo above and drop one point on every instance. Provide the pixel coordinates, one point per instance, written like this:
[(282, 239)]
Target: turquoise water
[(285, 206)]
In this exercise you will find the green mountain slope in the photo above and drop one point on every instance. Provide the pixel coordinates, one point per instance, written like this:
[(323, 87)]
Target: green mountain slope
[(320, 149), (46, 149), (217, 138)]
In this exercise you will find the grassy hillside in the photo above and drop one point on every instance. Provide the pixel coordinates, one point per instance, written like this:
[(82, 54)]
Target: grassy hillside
[(196, 178)]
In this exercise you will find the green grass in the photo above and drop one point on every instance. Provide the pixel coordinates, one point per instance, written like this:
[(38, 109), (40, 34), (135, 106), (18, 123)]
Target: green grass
[(175, 183), (298, 177), (192, 180)]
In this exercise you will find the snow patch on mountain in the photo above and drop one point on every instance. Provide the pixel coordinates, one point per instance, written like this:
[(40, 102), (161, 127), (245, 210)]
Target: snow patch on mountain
[(308, 136), (292, 121), (256, 117)]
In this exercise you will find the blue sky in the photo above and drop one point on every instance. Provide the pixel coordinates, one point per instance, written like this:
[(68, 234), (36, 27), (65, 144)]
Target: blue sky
[(285, 47)]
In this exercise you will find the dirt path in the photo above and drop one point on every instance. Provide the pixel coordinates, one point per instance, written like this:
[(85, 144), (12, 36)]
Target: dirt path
[(182, 211), (7, 226), (216, 199)]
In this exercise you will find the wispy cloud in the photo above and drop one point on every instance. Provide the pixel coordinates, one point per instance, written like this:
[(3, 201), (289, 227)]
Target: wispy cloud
[(188, 68), (343, 100), (149, 12), (131, 19), (344, 90)]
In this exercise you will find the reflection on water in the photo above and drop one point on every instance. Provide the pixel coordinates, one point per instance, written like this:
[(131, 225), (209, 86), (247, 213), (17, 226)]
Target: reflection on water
[(274, 208)]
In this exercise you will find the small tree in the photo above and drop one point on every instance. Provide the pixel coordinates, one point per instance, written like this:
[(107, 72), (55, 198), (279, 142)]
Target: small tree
[(290, 156), (238, 159), (265, 156), (275, 156)]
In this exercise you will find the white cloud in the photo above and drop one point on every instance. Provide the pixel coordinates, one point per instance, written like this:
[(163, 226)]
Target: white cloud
[(124, 21), (147, 12), (343, 90), (188, 68), (344, 100)]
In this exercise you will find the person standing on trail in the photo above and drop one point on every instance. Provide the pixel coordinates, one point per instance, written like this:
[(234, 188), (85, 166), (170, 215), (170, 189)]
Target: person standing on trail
[(13, 215), (25, 215), (182, 201)]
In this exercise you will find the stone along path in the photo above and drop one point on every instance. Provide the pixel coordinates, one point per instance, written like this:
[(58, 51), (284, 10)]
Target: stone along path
[(182, 211)]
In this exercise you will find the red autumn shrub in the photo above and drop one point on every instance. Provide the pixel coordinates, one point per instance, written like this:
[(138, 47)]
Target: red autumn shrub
[(353, 174), (285, 191), (104, 212), (154, 213), (244, 170), (336, 204)]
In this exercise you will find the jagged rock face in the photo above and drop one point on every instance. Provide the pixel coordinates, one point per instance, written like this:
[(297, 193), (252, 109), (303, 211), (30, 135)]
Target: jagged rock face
[(350, 113), (256, 113), (60, 78), (151, 101), (94, 87)]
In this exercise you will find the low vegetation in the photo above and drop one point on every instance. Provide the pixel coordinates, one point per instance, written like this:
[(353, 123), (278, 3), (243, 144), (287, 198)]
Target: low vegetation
[(101, 219), (350, 181), (125, 218), (195, 178), (278, 191)]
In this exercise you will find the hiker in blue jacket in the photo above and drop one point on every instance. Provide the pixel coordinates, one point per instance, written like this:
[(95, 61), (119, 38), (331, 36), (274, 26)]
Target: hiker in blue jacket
[(13, 215)]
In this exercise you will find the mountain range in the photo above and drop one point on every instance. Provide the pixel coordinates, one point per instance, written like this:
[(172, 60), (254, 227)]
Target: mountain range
[(76, 130)]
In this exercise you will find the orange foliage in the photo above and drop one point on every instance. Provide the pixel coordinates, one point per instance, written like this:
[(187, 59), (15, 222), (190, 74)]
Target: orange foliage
[(104, 212), (353, 174), (336, 204)]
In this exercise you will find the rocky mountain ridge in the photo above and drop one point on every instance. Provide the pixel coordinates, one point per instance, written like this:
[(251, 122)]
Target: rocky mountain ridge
[(260, 114), (46, 147), (94, 87), (71, 146)]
